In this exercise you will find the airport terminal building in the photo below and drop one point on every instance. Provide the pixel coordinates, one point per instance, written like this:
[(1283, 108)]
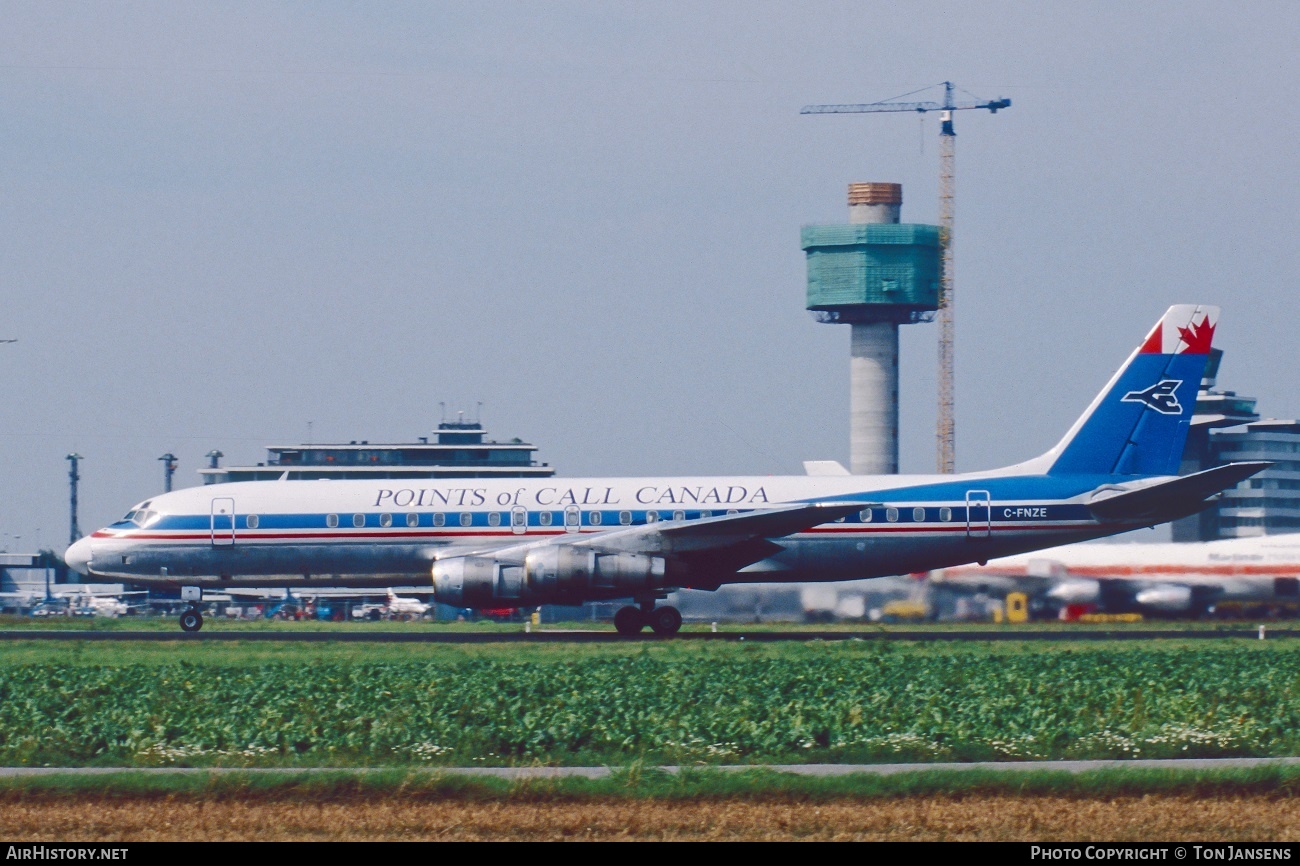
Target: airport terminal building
[(1226, 428), (460, 450)]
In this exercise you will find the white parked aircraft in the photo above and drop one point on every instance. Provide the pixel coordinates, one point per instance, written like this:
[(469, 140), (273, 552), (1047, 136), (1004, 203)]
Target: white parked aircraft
[(498, 543), (1155, 578), (405, 605)]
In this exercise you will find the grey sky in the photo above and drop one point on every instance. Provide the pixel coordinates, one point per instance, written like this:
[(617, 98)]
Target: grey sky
[(221, 221)]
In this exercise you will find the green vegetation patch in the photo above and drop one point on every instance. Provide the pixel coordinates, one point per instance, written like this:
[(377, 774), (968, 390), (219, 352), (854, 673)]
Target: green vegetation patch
[(648, 703), (649, 783)]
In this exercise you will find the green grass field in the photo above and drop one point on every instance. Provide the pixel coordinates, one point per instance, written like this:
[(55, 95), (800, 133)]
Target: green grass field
[(361, 704), (640, 782)]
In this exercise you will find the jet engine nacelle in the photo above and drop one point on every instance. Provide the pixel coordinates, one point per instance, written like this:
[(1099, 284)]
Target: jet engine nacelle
[(1076, 592), (475, 581), (562, 571), (552, 574), (1166, 597)]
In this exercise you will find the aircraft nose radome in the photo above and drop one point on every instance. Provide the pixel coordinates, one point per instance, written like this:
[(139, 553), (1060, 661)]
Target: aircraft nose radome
[(77, 556)]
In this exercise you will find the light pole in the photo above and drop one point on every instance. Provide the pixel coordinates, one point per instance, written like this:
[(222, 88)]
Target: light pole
[(169, 469), (73, 477)]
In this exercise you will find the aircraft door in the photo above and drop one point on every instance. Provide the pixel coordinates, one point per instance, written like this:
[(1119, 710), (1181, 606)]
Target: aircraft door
[(518, 520), (223, 521), (979, 514), (572, 518)]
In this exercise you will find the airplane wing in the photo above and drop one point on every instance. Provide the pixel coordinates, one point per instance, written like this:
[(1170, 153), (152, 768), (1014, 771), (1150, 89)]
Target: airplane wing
[(725, 543), (680, 536)]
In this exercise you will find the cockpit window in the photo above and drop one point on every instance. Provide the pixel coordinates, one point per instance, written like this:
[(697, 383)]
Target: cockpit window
[(140, 517)]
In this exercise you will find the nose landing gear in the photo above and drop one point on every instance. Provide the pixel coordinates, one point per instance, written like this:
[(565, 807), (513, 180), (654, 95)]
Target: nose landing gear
[(191, 619)]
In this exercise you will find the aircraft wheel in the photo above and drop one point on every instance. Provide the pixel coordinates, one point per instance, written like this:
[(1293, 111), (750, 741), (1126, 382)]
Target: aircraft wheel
[(191, 620), (665, 621), (628, 621)]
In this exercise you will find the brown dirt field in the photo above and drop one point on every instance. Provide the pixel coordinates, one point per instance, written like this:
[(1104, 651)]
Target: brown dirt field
[(969, 818)]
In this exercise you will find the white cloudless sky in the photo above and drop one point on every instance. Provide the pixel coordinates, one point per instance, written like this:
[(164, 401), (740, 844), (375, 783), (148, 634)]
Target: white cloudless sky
[(221, 222)]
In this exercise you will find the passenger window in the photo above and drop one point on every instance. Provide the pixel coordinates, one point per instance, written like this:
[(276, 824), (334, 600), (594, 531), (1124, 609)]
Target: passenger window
[(412, 519), (544, 518), (385, 520), (439, 519), (593, 518), (679, 515), (945, 514), (865, 515), (918, 514), (466, 519), (652, 517), (494, 518), (331, 520), (706, 514), (625, 517), (358, 520), (251, 521), (891, 514), (731, 511), (570, 518)]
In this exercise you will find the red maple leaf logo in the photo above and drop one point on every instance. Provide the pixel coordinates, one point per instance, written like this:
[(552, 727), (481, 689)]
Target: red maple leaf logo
[(1197, 338)]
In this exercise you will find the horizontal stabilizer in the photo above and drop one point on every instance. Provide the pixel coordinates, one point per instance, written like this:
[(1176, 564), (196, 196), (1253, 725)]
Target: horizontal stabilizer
[(1179, 496)]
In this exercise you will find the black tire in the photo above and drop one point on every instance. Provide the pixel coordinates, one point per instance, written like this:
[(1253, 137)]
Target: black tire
[(191, 620), (665, 621), (628, 621)]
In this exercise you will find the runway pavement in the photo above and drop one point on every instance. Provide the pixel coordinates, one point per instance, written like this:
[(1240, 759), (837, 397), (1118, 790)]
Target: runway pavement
[(795, 769), (731, 633)]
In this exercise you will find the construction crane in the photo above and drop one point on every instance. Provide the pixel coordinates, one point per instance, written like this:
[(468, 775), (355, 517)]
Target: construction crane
[(946, 431)]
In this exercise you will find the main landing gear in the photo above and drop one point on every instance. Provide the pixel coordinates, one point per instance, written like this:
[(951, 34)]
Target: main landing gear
[(664, 621), (191, 619)]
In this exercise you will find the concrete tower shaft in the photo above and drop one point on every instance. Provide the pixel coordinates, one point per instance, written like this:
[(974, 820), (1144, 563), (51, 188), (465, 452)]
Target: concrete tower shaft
[(873, 398), (873, 353)]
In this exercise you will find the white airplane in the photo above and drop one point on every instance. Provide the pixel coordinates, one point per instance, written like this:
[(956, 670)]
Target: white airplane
[(498, 543), (98, 605), (405, 605), (1158, 578)]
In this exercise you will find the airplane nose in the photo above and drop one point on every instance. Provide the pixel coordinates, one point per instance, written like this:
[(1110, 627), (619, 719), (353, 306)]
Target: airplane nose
[(77, 556)]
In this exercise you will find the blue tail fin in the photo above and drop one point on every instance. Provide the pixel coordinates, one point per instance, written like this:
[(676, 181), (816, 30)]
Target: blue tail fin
[(1138, 424)]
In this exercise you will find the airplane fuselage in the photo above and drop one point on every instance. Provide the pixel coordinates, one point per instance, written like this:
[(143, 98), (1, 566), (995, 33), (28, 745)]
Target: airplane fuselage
[(359, 533)]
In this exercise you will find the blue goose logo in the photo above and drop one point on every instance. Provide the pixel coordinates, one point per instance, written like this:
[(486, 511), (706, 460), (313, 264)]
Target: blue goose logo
[(1160, 397)]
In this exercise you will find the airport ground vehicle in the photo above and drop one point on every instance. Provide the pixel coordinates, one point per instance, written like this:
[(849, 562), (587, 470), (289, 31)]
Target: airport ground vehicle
[(521, 542)]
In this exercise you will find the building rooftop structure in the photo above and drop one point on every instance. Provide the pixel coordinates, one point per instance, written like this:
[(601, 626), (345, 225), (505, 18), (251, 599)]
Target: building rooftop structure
[(1226, 429), (1268, 503), (459, 450)]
